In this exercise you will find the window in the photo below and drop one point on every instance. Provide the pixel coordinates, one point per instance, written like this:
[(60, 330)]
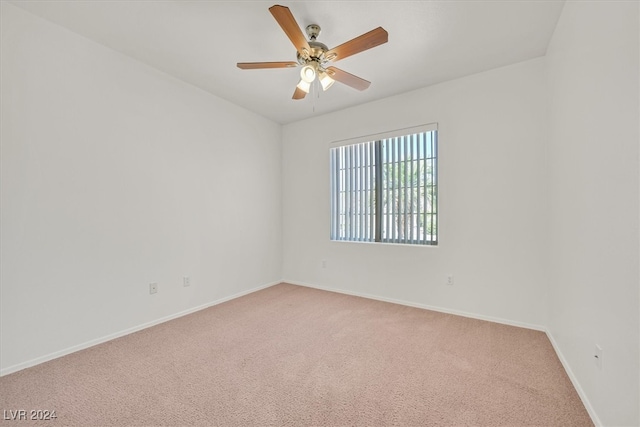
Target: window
[(385, 189)]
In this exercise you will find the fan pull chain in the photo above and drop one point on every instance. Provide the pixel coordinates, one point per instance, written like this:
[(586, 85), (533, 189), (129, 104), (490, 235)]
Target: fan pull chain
[(315, 94)]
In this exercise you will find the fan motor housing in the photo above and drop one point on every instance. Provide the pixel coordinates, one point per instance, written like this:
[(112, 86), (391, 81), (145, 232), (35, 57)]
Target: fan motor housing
[(317, 49), (316, 54)]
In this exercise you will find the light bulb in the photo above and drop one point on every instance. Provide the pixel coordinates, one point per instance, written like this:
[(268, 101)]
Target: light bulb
[(308, 73)]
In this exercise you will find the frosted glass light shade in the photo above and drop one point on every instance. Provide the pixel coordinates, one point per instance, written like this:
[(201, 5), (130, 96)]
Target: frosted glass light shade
[(325, 80), (303, 85), (308, 73)]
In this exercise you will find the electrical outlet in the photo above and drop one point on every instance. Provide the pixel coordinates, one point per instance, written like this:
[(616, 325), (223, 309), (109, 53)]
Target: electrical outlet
[(153, 288), (597, 354), (324, 263), (450, 279), (186, 281)]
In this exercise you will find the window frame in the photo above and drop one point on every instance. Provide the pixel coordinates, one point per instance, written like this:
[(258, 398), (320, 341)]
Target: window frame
[(430, 239)]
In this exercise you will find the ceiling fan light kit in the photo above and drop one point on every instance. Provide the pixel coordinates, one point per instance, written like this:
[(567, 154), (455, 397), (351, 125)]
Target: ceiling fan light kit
[(313, 56)]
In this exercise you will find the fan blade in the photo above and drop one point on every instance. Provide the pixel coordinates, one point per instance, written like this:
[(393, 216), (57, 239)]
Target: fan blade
[(256, 65), (299, 93), (366, 41), (290, 27), (347, 78)]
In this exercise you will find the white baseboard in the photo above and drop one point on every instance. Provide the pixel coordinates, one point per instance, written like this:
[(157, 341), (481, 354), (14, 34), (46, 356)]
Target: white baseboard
[(91, 343), (565, 364), (574, 381), (424, 306)]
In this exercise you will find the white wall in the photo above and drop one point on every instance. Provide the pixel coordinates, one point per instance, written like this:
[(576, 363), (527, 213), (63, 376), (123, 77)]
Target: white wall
[(115, 175), (492, 132), (594, 186)]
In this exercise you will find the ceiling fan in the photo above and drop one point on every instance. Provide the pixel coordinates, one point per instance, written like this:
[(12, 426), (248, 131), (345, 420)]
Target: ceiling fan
[(313, 56)]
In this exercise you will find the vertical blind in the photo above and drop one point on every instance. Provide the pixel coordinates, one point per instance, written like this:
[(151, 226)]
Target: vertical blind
[(385, 189)]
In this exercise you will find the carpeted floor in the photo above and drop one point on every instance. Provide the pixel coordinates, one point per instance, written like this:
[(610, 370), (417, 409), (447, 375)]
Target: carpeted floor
[(294, 356)]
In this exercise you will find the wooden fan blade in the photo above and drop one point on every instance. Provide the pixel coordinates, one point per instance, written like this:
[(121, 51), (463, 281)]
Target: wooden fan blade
[(291, 28), (256, 65), (299, 93), (366, 41), (347, 78)]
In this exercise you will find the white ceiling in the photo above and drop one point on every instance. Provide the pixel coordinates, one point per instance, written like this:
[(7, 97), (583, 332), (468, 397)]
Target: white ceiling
[(200, 42)]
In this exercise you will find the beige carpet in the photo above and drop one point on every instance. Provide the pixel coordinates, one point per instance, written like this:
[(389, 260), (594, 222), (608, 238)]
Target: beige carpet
[(293, 356)]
